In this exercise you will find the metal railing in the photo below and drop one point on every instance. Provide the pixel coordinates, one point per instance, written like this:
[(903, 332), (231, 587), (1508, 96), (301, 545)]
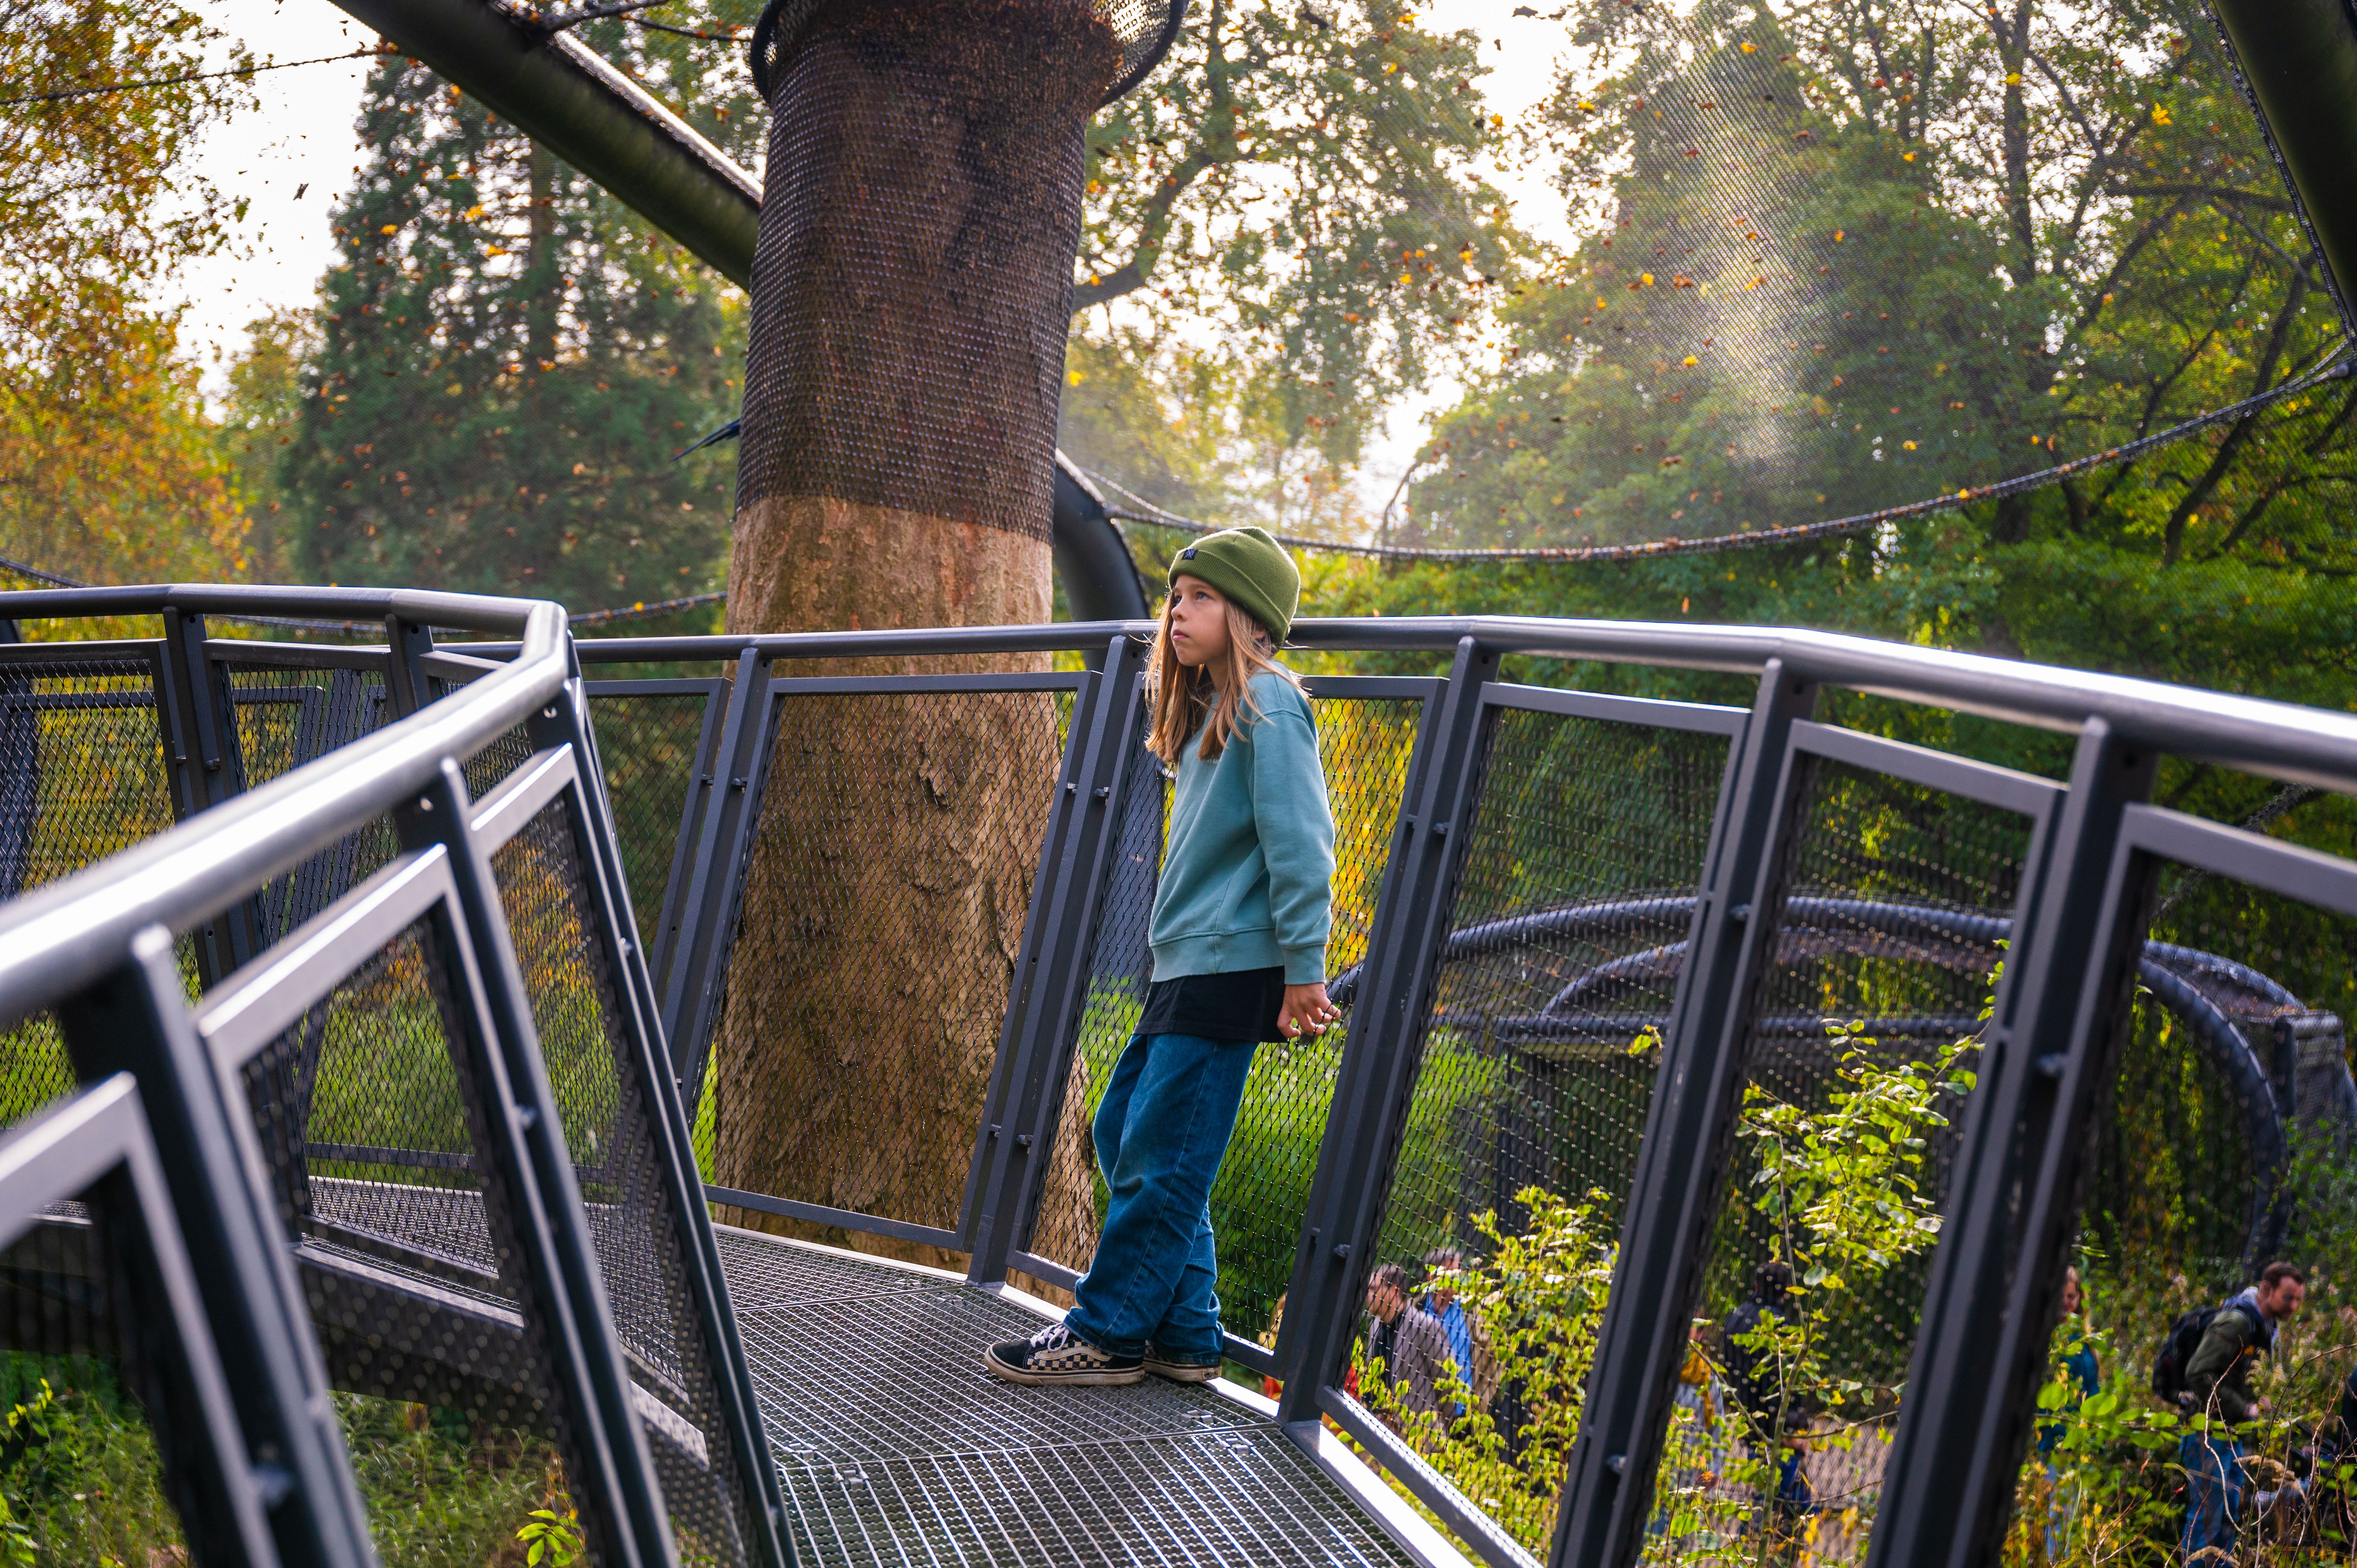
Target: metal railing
[(1534, 880), (484, 1275)]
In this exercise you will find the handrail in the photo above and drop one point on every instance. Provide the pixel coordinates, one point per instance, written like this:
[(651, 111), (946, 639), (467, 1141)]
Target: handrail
[(66, 935), (2299, 745)]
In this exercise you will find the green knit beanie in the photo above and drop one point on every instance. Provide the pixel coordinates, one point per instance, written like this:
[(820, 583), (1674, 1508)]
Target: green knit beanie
[(1251, 569)]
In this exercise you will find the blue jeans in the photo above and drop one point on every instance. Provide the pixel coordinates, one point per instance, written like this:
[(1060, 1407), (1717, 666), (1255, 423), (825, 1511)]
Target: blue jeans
[(2213, 1491), (1161, 1130)]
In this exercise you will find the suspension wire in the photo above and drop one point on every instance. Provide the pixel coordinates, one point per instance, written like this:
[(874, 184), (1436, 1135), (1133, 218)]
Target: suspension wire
[(641, 611), (2341, 366), (2281, 802), (372, 51), (690, 32)]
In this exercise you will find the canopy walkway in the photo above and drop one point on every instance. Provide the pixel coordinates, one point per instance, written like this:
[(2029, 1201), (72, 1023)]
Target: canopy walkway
[(360, 997)]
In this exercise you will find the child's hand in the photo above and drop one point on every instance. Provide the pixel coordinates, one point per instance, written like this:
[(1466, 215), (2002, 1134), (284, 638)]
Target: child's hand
[(1306, 1008)]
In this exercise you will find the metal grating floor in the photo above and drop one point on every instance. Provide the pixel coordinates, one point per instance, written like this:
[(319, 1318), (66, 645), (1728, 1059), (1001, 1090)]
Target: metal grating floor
[(896, 1448)]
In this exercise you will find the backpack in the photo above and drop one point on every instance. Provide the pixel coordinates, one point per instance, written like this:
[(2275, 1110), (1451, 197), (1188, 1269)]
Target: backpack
[(2183, 1338)]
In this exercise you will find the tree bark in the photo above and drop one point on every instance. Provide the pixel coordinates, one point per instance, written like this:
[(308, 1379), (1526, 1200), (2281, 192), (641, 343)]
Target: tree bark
[(911, 295)]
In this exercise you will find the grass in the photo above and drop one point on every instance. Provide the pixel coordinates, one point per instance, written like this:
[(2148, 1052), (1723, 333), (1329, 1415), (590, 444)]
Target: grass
[(78, 1472)]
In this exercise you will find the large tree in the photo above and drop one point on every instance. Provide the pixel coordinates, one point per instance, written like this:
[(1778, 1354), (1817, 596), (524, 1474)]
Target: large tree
[(1300, 191), (506, 359), (1955, 248)]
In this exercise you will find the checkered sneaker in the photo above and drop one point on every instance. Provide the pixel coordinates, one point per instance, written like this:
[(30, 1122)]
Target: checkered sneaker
[(1055, 1356), (1179, 1369)]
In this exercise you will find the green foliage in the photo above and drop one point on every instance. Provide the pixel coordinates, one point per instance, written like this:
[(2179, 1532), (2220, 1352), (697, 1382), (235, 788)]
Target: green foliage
[(1539, 1298), (78, 1475), (552, 1536), (1840, 1185), (79, 1483), (506, 361), (1309, 177), (107, 466)]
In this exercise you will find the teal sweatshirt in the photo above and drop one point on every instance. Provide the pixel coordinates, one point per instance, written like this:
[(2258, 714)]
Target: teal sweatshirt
[(1247, 874)]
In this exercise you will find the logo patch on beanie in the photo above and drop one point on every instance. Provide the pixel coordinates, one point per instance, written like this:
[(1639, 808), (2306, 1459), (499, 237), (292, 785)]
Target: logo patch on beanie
[(1187, 553)]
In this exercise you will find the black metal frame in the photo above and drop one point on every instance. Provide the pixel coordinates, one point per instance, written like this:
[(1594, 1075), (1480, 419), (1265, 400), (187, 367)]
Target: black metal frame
[(95, 1147), (98, 947)]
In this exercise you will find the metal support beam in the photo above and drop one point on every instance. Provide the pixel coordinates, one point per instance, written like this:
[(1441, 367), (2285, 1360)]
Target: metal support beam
[(1052, 979), (2299, 60), (530, 1184), (1379, 1058), (2021, 1162), (1682, 1163), (135, 1020), (730, 792), (561, 94)]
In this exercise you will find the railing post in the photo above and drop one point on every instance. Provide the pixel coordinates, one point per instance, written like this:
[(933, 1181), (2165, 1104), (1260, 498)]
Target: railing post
[(206, 772), (731, 791), (1051, 965), (1380, 1056), (1682, 1163), (567, 723), (2020, 1165), (406, 682), (528, 1156), (135, 1020)]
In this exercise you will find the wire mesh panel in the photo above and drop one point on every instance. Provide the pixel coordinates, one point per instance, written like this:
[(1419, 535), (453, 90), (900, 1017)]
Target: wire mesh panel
[(1862, 1034), (888, 879), (1539, 1052), (649, 742), (84, 1482), (2227, 1146), (368, 1128), (82, 775), (286, 716), (605, 1106), (1263, 1188), (82, 770)]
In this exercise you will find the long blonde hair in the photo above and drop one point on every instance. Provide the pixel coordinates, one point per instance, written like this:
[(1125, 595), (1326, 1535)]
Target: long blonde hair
[(1183, 698)]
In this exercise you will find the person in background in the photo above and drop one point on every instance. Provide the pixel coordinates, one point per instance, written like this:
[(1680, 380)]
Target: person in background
[(2083, 1377), (1270, 1384), (2218, 1381), (1469, 1340), (1776, 1415), (1409, 1343)]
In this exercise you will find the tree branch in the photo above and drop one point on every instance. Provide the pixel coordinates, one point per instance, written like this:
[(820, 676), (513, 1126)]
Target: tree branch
[(2226, 192), (2173, 544)]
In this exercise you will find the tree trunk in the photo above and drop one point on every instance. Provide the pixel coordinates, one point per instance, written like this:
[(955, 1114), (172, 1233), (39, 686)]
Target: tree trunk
[(911, 293)]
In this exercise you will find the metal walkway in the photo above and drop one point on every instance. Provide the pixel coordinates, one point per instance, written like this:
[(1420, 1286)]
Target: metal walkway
[(897, 1447)]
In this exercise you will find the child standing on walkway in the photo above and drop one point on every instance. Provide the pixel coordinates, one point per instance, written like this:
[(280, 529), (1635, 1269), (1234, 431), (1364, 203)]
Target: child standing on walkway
[(1239, 943)]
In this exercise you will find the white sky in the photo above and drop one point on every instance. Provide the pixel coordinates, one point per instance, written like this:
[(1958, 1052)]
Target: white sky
[(1523, 53), (299, 135)]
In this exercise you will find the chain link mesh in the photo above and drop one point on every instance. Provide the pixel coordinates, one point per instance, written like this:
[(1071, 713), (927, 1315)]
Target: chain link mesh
[(647, 746), (889, 877), (405, 1246), (82, 775), (283, 718), (75, 1394), (2232, 1118), (1539, 1052), (1899, 898), (1141, 29), (925, 171), (1263, 1188), (604, 1103)]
